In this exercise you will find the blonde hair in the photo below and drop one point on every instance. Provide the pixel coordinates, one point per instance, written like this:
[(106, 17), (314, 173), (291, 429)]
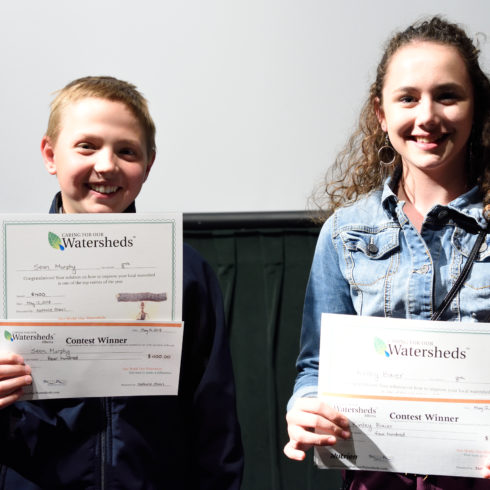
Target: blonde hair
[(102, 87)]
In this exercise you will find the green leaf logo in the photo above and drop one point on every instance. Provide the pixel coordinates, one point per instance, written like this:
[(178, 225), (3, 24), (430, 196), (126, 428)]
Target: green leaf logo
[(55, 241), (8, 335), (380, 347)]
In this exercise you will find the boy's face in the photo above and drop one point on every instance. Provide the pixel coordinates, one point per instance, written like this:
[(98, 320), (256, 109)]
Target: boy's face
[(99, 157)]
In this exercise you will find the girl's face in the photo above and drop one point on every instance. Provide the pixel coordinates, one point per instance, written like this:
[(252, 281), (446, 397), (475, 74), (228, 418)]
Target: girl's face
[(427, 107)]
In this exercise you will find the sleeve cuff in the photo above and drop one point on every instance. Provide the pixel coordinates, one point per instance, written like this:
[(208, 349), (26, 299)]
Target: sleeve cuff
[(303, 392)]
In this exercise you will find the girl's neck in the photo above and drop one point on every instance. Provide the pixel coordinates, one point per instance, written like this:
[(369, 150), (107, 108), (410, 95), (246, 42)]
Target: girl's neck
[(421, 191)]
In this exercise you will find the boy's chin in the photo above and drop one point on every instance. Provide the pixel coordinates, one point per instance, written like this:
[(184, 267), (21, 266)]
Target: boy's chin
[(106, 209), (97, 208)]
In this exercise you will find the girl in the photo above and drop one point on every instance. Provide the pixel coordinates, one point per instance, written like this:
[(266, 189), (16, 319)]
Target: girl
[(410, 198)]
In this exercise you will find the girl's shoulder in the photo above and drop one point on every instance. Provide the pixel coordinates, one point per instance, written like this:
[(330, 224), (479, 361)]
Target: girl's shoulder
[(367, 213)]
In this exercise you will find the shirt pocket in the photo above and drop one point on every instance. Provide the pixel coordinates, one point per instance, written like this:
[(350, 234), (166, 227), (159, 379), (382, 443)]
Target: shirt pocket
[(371, 256)]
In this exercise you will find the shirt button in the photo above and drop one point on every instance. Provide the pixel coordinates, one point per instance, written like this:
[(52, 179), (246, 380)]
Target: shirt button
[(423, 270), (483, 247), (372, 249), (442, 215)]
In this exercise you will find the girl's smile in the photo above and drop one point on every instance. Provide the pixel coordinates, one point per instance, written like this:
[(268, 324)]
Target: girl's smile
[(427, 107)]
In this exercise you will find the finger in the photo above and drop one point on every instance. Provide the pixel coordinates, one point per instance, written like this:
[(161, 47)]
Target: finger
[(292, 452), (11, 385), (315, 422), (310, 438), (318, 406), (13, 370), (486, 469), (11, 358), (11, 398)]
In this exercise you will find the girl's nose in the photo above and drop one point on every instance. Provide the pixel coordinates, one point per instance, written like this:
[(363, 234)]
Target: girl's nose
[(427, 115)]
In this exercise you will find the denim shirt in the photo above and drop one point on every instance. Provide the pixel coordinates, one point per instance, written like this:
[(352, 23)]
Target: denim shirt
[(370, 260)]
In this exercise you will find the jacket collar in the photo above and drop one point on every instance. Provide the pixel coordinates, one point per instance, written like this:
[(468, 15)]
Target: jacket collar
[(57, 206), (466, 208)]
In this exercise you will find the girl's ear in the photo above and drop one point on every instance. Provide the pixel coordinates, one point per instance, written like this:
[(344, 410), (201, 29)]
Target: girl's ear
[(378, 109), (47, 151)]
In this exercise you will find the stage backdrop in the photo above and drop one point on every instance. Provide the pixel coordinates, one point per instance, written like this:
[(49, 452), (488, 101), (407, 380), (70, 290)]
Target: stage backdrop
[(252, 99)]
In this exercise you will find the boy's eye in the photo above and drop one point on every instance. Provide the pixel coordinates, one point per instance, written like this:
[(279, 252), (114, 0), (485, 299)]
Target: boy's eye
[(85, 146), (127, 151)]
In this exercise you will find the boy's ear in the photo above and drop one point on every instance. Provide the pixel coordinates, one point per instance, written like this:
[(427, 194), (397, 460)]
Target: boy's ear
[(47, 150), (378, 109), (149, 165)]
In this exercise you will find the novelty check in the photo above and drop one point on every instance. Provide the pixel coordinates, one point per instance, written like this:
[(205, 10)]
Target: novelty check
[(417, 394), (91, 266), (73, 359)]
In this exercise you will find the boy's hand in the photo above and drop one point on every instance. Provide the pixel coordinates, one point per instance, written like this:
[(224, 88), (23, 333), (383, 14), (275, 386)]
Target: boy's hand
[(311, 422), (486, 469), (14, 375)]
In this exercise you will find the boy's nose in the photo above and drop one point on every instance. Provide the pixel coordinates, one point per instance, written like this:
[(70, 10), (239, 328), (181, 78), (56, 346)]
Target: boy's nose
[(105, 162)]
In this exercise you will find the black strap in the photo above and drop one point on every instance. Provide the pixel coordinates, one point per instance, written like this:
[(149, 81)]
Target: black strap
[(462, 276)]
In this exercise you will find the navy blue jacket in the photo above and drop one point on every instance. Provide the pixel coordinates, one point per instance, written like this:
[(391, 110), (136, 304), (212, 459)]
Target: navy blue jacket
[(189, 441)]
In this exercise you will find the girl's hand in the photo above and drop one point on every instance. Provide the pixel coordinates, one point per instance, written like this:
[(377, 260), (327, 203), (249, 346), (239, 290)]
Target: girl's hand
[(311, 422), (14, 375)]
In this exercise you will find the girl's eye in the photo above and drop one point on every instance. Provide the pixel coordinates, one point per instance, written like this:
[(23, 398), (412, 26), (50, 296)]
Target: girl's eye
[(448, 97), (407, 99)]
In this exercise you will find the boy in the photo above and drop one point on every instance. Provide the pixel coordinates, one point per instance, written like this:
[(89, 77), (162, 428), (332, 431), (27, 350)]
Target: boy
[(100, 143)]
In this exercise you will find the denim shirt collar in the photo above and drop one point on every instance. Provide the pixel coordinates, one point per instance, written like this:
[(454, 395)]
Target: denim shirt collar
[(469, 205)]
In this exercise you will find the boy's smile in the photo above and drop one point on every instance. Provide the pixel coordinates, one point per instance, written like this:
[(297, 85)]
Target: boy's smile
[(99, 156)]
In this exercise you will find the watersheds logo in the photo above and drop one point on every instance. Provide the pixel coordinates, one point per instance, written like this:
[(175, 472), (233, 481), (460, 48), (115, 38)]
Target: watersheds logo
[(49, 337), (87, 240), (55, 241), (434, 352), (380, 347)]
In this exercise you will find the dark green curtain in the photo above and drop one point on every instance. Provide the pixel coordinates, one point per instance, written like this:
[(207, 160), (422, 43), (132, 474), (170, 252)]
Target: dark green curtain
[(263, 274)]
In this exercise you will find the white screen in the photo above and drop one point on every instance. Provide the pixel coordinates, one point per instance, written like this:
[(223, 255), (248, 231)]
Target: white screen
[(252, 99)]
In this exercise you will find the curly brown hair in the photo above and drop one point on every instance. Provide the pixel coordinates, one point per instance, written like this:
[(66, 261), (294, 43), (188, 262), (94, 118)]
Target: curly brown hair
[(357, 171)]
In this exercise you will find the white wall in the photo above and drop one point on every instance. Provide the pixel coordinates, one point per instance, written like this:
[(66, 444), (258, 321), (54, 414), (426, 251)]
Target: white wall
[(252, 98)]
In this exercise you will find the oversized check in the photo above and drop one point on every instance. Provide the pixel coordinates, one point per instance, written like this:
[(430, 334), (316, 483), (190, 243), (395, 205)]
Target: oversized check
[(91, 266), (417, 394), (57, 270), (71, 359)]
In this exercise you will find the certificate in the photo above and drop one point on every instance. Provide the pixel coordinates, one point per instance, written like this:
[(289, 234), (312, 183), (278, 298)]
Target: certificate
[(417, 394), (94, 290), (91, 266), (72, 359)]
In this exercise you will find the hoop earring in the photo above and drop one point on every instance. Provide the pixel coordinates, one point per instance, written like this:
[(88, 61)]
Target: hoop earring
[(385, 152)]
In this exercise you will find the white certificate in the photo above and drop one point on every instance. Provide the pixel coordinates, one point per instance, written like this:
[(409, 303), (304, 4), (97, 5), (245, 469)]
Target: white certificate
[(59, 269), (72, 359), (91, 266), (417, 394)]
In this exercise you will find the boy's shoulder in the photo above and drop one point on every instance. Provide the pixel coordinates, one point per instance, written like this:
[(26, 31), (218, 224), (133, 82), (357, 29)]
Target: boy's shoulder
[(198, 272)]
